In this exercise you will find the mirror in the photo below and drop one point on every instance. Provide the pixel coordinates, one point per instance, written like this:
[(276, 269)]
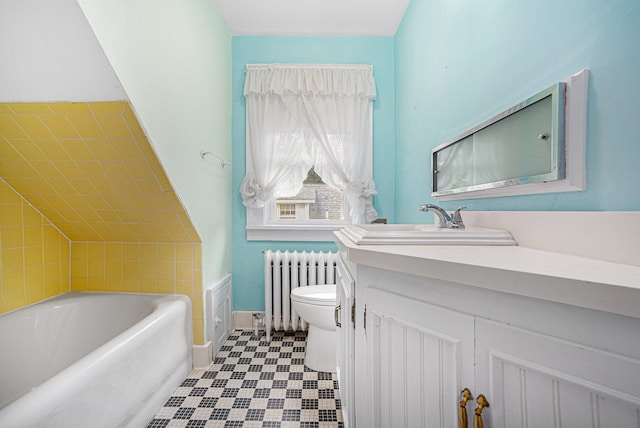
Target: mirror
[(524, 144)]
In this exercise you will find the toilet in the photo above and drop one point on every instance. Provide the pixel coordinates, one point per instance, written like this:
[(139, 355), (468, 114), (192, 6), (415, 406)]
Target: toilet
[(316, 305)]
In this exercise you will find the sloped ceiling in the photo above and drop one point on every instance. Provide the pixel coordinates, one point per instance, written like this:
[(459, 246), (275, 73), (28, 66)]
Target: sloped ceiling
[(89, 169)]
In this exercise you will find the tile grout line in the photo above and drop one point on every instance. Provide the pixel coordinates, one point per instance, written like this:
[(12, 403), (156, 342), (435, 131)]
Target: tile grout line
[(255, 383)]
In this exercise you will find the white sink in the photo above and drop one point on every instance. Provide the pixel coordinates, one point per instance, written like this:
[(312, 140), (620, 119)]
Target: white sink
[(425, 234)]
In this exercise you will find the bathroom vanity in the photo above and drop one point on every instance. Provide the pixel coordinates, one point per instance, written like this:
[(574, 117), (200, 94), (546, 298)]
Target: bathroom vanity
[(547, 339)]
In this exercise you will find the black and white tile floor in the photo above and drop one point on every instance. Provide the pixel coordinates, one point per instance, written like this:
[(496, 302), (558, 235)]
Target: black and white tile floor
[(255, 383)]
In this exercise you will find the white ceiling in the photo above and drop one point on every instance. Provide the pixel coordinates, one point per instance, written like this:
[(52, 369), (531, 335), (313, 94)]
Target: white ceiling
[(312, 17)]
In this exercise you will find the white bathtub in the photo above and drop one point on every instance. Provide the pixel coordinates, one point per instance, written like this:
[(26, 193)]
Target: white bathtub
[(92, 359)]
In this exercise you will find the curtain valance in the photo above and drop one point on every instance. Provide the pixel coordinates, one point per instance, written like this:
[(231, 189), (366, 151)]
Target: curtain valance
[(309, 79)]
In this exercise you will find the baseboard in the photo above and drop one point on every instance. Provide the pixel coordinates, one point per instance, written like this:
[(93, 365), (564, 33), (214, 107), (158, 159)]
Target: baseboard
[(202, 355)]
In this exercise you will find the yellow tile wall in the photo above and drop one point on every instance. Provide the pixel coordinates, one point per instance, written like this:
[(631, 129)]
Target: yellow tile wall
[(89, 170), (173, 268), (34, 255)]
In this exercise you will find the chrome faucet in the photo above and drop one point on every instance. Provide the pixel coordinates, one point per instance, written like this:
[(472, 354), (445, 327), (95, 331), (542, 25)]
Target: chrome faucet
[(445, 221)]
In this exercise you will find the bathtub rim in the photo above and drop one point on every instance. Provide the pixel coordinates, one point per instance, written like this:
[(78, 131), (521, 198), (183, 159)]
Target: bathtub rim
[(161, 307)]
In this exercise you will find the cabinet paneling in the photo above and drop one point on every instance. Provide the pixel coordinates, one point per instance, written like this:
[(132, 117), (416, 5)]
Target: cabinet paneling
[(345, 301), (539, 363), (420, 358), (539, 380)]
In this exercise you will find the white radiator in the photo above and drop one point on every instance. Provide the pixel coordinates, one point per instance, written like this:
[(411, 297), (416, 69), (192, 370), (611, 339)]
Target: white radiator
[(284, 271)]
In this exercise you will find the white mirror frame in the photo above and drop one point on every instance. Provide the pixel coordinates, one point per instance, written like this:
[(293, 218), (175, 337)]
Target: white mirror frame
[(575, 128)]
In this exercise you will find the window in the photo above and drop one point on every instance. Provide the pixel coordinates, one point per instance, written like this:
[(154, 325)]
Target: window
[(309, 150), (315, 201), (286, 211), (311, 214)]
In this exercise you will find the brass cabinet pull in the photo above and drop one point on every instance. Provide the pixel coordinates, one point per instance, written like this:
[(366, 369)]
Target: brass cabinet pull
[(336, 316), (482, 403), (462, 413)]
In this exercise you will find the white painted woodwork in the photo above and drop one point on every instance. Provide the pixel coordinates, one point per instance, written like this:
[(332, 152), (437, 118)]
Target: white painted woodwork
[(546, 275), (539, 362), (536, 380), (345, 348), (420, 358), (219, 314)]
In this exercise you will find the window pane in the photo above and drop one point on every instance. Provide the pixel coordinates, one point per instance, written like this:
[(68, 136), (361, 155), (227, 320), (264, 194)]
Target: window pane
[(287, 211), (316, 201)]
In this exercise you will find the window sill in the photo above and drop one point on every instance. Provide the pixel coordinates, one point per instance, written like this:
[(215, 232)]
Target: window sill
[(303, 232)]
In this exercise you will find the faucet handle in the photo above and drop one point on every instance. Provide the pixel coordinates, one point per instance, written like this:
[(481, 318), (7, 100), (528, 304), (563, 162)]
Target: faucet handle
[(457, 218), (457, 212)]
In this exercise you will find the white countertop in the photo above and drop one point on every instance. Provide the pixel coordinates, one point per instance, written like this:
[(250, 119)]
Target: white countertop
[(579, 281)]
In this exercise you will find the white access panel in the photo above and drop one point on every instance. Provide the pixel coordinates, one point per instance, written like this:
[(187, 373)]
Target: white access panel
[(219, 318)]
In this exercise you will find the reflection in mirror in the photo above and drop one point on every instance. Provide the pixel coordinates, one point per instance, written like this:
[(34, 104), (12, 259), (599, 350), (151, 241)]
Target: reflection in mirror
[(524, 144)]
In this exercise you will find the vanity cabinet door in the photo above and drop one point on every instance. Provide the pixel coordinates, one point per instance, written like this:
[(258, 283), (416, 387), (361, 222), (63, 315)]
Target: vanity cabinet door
[(419, 358), (536, 380), (345, 345)]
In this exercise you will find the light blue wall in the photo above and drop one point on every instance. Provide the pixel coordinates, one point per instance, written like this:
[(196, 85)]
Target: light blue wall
[(455, 63), (460, 62), (248, 266)]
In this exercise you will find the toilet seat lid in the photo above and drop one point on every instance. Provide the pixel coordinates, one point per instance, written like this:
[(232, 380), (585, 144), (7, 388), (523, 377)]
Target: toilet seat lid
[(316, 294)]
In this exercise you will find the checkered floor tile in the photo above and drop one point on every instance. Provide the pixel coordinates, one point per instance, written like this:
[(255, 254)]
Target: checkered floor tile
[(255, 383)]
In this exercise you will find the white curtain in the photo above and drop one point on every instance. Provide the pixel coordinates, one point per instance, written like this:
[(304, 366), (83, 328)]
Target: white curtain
[(299, 116)]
